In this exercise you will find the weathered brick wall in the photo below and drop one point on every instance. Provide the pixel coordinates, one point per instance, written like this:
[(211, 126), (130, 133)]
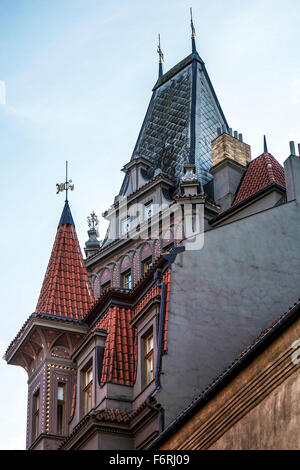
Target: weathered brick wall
[(105, 277)]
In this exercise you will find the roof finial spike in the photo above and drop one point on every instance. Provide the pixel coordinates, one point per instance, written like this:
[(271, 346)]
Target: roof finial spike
[(265, 145), (65, 186), (193, 32), (161, 58)]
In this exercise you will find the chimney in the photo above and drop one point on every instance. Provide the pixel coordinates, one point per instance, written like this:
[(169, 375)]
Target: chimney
[(292, 174), (230, 156)]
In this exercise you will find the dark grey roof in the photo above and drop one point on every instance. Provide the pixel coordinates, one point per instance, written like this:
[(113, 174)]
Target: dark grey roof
[(181, 121), (66, 216)]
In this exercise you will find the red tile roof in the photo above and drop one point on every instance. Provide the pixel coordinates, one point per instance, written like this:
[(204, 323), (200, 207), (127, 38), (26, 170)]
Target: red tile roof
[(66, 290), (261, 173), (120, 353), (113, 415)]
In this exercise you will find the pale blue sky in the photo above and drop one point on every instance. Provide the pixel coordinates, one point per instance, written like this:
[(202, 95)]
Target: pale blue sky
[(78, 76)]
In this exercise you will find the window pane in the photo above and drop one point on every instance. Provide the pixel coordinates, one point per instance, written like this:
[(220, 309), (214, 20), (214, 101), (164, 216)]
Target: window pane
[(61, 392), (149, 344), (148, 211), (147, 264), (126, 225), (126, 280), (150, 369)]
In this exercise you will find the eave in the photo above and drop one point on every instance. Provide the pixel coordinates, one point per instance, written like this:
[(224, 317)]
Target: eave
[(247, 202), (51, 321)]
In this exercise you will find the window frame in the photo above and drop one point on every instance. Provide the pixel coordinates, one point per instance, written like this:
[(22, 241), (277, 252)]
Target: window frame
[(145, 262), (126, 221), (128, 272), (60, 422), (36, 414), (146, 209), (148, 354), (87, 389)]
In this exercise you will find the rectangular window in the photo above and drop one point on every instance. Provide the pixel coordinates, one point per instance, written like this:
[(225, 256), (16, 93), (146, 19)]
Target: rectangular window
[(36, 415), (87, 390), (147, 264), (127, 280), (126, 226), (105, 287), (149, 358), (148, 211), (60, 414)]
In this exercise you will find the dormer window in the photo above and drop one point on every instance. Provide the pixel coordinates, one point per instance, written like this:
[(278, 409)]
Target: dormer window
[(126, 223), (148, 358), (87, 390), (148, 210)]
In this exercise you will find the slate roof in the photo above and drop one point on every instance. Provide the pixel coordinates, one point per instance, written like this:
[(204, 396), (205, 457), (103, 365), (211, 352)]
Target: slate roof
[(66, 290), (181, 121), (261, 173)]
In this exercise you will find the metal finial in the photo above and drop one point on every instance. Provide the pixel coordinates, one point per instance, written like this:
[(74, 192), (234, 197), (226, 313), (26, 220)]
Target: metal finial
[(265, 145), (193, 32), (93, 221), (159, 51), (60, 187), (161, 58), (192, 24)]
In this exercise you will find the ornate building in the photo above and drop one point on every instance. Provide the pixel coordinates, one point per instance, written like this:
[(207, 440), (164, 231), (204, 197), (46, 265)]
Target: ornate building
[(121, 342)]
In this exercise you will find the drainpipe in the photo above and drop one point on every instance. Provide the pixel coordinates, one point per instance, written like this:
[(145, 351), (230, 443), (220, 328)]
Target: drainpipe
[(170, 257), (158, 407)]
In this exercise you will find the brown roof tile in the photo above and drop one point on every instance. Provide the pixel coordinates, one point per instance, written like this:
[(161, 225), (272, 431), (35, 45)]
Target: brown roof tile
[(261, 173)]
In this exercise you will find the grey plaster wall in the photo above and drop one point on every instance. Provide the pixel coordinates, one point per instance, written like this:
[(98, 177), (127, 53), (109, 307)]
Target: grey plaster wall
[(223, 296)]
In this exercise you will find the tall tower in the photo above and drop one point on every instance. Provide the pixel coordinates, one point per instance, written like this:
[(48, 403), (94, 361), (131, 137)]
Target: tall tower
[(182, 119), (45, 343)]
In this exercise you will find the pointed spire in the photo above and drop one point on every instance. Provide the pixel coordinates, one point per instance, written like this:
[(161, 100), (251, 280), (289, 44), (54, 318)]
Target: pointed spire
[(66, 216), (193, 32), (265, 145), (161, 59), (66, 290)]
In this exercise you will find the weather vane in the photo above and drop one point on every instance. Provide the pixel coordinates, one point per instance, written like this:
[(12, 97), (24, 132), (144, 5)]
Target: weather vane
[(192, 25), (65, 186), (159, 51)]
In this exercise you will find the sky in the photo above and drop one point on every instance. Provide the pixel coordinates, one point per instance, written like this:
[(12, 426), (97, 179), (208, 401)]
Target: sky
[(75, 81)]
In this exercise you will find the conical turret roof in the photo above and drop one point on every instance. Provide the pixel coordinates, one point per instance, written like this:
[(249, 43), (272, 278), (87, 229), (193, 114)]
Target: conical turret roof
[(66, 290)]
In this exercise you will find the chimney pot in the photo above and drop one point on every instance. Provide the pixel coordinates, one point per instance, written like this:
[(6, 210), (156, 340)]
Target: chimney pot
[(292, 147)]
